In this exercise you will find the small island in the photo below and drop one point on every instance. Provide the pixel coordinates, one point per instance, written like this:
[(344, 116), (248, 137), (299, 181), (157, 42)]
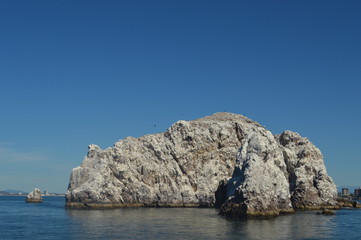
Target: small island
[(224, 160), (34, 196)]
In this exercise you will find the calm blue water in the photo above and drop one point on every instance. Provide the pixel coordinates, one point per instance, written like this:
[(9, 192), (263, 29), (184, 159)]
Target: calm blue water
[(49, 220)]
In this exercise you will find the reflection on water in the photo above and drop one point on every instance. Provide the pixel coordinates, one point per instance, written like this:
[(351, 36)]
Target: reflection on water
[(50, 221), (149, 223), (188, 223), (304, 225)]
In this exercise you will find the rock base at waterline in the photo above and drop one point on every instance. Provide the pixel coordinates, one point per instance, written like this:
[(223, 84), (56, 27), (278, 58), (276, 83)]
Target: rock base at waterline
[(77, 205)]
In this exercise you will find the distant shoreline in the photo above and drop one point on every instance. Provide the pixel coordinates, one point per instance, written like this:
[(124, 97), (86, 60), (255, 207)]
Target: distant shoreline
[(47, 195)]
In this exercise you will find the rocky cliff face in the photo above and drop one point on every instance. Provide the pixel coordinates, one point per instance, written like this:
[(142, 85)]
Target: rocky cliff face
[(180, 167), (259, 185), (225, 160), (310, 186), (277, 174)]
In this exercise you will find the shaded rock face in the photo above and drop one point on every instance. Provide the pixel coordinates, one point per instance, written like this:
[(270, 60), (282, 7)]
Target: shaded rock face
[(34, 196), (224, 160), (180, 167)]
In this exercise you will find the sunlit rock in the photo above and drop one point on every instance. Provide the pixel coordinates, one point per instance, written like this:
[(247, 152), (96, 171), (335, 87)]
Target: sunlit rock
[(180, 167), (34, 196), (224, 160)]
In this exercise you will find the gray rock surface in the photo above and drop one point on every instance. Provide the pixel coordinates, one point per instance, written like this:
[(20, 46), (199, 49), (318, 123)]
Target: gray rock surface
[(223, 160), (180, 167), (310, 185), (259, 185), (34, 196), (276, 174)]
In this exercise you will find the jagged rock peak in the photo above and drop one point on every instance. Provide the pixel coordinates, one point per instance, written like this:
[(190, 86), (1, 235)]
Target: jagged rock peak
[(226, 116)]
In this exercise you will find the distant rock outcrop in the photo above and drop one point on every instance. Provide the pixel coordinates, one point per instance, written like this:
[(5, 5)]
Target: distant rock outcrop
[(193, 164), (348, 203), (34, 196)]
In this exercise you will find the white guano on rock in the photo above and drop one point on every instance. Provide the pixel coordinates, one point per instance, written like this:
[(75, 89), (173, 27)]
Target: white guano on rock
[(34, 196), (224, 160), (180, 167)]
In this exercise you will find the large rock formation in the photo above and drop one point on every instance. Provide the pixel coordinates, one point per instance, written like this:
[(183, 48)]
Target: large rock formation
[(180, 167), (191, 164), (34, 196)]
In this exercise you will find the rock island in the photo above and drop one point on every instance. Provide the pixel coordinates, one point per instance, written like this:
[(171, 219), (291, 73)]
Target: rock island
[(224, 160), (34, 196)]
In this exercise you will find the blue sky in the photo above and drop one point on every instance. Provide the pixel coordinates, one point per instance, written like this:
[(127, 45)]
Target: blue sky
[(74, 73)]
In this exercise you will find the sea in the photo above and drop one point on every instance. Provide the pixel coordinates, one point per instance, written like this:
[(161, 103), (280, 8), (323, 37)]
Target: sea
[(50, 220)]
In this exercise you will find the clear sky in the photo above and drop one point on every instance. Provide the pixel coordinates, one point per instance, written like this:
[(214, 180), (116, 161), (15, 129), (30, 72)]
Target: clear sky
[(76, 72)]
